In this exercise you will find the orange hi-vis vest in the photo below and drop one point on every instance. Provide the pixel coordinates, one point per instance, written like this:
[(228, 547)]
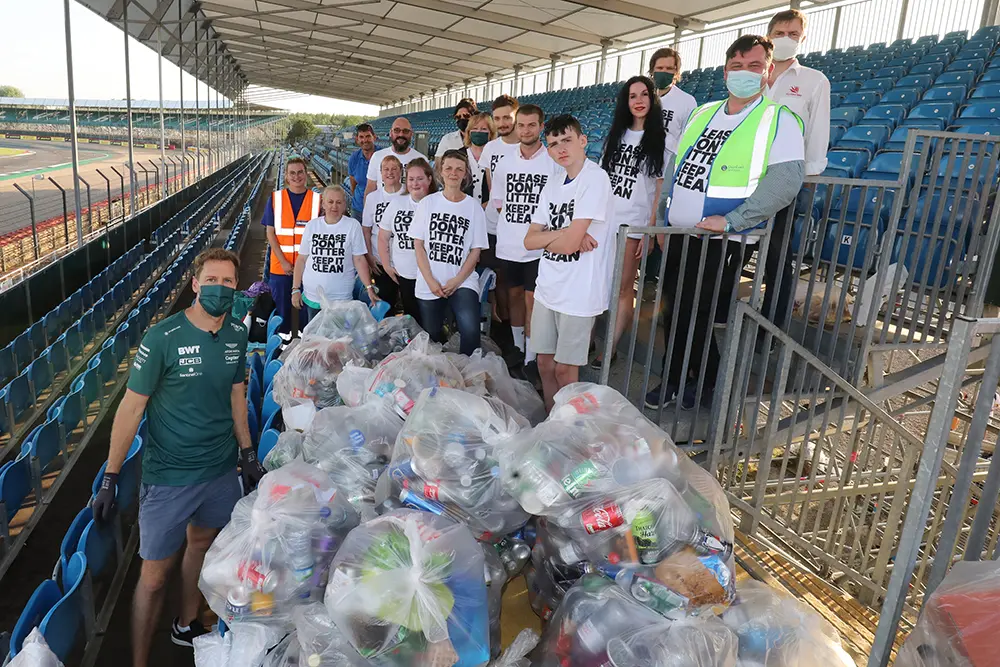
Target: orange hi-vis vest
[(288, 227)]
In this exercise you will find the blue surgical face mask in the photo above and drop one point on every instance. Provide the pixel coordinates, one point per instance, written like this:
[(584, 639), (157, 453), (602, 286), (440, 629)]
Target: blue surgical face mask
[(743, 83)]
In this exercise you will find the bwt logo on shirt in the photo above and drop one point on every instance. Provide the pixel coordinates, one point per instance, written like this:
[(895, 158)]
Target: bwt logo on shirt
[(189, 349)]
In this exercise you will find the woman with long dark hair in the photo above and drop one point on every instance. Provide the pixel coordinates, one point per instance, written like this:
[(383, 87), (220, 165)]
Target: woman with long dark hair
[(633, 157)]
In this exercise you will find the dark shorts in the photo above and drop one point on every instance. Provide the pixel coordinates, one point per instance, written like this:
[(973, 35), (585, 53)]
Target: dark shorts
[(166, 511), (488, 256), (522, 274)]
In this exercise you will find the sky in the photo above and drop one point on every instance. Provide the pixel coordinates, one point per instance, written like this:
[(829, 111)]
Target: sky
[(34, 60)]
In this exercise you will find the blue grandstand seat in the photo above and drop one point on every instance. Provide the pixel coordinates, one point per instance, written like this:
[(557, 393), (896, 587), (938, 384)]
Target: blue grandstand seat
[(980, 111), (933, 69), (867, 138), (73, 339), (268, 439), (921, 81), (989, 129), (861, 225), (45, 446), (273, 348), (903, 61), (974, 65), (955, 93), (270, 369), (8, 366), (846, 116), (98, 544), (15, 485), (943, 58), (71, 539), (922, 244), (846, 164), (905, 97), (40, 374), (888, 115), (990, 76), (62, 624), (253, 419), (949, 49), (887, 167), (941, 113), (41, 601), (50, 323), (962, 77), (836, 132), (882, 84), (973, 54), (892, 72), (254, 391), (24, 351), (36, 334), (128, 478), (864, 99), (71, 411), (269, 406), (58, 356), (986, 92), (964, 171), (844, 86), (270, 421)]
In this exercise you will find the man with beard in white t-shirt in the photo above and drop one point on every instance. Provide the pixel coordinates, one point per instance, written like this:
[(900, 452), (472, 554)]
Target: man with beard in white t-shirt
[(400, 136), (571, 228), (517, 188)]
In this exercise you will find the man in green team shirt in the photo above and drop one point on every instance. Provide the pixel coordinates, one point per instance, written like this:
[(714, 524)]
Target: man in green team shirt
[(189, 378)]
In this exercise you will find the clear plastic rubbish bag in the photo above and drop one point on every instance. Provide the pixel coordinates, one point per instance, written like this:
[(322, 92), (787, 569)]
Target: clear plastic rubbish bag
[(516, 654), (350, 320), (776, 630), (395, 333), (35, 652), (445, 460), (289, 447), (486, 344), (959, 625), (594, 612), (352, 384), (276, 549), (353, 445), (402, 376), (309, 373), (693, 642), (495, 575), (320, 642), (408, 589), (490, 372), (556, 564)]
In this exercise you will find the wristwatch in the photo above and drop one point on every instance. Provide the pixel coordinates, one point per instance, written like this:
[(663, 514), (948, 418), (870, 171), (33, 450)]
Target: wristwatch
[(296, 290)]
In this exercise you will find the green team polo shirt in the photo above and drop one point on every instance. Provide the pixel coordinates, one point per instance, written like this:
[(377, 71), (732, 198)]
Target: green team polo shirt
[(188, 376)]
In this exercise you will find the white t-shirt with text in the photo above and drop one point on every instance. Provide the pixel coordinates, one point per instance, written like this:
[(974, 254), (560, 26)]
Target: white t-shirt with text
[(677, 108), (687, 201), (449, 230), (330, 251), (376, 203), (517, 188), (632, 189), (396, 221), (578, 284), (375, 164), (493, 152)]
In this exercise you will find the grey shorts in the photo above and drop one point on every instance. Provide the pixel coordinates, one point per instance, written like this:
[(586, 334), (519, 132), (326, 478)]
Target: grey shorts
[(165, 511), (565, 336)]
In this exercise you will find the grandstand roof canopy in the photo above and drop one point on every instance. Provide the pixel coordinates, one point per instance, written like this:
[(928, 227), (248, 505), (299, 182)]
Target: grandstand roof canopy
[(380, 51)]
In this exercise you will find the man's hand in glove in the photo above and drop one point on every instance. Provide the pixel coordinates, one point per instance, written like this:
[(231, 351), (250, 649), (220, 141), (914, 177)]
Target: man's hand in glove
[(104, 501), (250, 468)]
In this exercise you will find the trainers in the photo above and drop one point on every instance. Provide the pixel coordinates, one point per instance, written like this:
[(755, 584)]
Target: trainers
[(653, 401), (186, 637), (689, 399), (532, 375)]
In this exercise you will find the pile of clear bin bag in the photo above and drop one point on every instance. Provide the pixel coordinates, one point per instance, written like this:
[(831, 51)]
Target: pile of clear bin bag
[(411, 485)]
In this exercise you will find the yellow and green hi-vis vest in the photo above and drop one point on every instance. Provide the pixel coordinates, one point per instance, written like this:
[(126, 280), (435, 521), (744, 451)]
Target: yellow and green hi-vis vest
[(741, 161)]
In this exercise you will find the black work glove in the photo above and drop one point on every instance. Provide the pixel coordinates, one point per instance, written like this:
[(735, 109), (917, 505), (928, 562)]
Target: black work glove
[(104, 501), (251, 469)]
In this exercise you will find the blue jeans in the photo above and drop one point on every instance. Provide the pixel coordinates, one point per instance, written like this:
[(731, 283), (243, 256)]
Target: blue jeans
[(281, 292), (465, 306)]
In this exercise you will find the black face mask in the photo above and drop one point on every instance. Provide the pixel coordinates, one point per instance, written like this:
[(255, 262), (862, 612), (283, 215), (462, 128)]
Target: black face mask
[(462, 123)]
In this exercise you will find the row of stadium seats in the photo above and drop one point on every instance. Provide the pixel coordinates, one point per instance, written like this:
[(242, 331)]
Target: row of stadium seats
[(150, 121), (63, 615), (237, 235)]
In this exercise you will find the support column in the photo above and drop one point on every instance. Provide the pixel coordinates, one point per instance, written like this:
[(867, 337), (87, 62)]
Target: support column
[(701, 50), (180, 68), (448, 101), (795, 4), (208, 102), (465, 89), (554, 59), (903, 11), (603, 62), (618, 69), (489, 93), (74, 148), (836, 28), (515, 91), (197, 103), (163, 132), (128, 111)]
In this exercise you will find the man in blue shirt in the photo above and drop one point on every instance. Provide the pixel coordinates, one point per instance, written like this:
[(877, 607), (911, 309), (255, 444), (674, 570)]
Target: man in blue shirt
[(357, 167)]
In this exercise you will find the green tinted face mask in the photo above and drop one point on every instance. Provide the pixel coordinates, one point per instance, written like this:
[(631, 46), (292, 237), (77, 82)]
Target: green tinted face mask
[(217, 300), (663, 79), (479, 138)]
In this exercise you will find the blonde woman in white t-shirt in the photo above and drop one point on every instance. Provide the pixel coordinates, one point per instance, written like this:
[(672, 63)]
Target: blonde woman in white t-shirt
[(633, 158)]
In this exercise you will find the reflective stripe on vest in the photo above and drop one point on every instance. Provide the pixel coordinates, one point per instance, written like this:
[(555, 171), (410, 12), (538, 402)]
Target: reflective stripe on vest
[(288, 227), (749, 144)]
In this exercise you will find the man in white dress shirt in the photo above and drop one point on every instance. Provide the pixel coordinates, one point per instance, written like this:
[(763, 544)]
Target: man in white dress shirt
[(805, 91)]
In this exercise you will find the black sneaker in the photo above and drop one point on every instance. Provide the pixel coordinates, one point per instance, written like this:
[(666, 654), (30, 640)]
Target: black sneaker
[(186, 637), (653, 401), (688, 401), (532, 375)]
